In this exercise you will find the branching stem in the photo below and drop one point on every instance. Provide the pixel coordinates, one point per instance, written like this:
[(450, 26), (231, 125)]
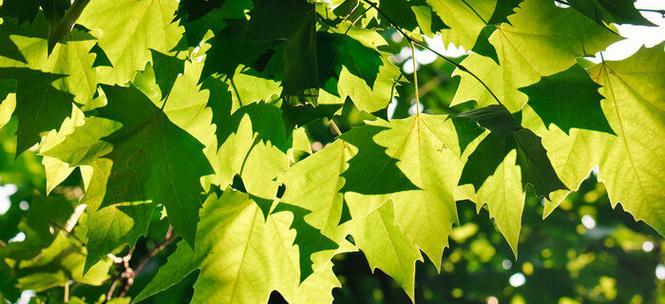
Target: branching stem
[(130, 273), (424, 45), (335, 127), (415, 76)]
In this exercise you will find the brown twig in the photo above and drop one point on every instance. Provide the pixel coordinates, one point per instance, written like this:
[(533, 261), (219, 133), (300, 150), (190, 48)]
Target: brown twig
[(335, 127), (66, 296), (67, 232), (130, 273)]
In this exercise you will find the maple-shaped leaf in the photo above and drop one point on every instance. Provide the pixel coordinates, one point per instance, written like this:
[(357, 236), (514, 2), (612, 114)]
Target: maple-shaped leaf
[(426, 151), (159, 76), (634, 106), (40, 107), (501, 166), (386, 246), (61, 263), (8, 48), (110, 226), (372, 171), (540, 39), (568, 99), (465, 18), (274, 27), (114, 225), (356, 68), (257, 256), (250, 157), (308, 238), (84, 144), (69, 58), (266, 121), (314, 184), (57, 171), (573, 153), (502, 10), (129, 29), (411, 15), (507, 135), (153, 159), (503, 193)]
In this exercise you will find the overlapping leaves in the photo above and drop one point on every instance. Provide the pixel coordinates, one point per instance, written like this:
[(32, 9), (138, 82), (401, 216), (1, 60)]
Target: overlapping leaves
[(162, 106)]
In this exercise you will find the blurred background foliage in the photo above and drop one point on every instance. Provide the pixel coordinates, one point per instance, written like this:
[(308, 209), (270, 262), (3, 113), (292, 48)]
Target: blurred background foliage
[(584, 252)]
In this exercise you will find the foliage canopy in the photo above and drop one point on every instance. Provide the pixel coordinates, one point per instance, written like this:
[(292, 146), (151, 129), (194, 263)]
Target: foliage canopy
[(202, 115)]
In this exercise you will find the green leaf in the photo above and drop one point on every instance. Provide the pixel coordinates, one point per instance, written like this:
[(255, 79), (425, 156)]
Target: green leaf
[(167, 69), (60, 263), (610, 11), (266, 121), (153, 159), (127, 37), (116, 225), (308, 238), (539, 40), (239, 240), (234, 236), (502, 10), (8, 48), (84, 145), (569, 99), (386, 246), (252, 157), (633, 91), (372, 171), (200, 16), (314, 184), (43, 212), (504, 196), (180, 263), (233, 151), (361, 71), (426, 151), (573, 154), (483, 45), (466, 19), (23, 10), (250, 86), (71, 58), (501, 166), (56, 170), (34, 92), (301, 74), (507, 135)]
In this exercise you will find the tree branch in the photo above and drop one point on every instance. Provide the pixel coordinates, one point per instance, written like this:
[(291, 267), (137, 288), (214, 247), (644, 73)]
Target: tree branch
[(130, 273), (415, 77), (66, 23), (424, 45)]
